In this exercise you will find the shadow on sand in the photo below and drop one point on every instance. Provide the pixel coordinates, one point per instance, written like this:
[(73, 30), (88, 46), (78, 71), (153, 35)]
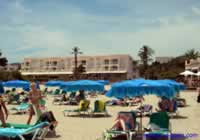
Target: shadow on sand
[(91, 116), (179, 117)]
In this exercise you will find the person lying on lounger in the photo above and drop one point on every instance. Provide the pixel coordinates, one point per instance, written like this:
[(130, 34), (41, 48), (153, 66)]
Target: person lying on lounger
[(123, 122)]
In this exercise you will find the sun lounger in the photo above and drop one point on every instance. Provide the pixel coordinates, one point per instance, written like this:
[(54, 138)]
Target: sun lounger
[(181, 102), (116, 102), (159, 126), (56, 92), (72, 99), (173, 112), (14, 98), (145, 109), (133, 102), (120, 133), (99, 107), (14, 130), (22, 108), (83, 108)]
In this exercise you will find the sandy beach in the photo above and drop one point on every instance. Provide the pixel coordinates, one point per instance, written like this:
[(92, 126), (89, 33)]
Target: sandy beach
[(86, 128)]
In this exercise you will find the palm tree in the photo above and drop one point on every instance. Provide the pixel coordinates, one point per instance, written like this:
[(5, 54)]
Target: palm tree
[(3, 60), (191, 54), (76, 51), (145, 53)]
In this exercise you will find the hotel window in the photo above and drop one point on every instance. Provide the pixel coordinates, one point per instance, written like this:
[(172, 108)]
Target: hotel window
[(47, 63), (54, 69), (106, 68), (114, 68), (27, 63), (83, 62), (106, 61), (115, 61), (98, 63), (55, 63)]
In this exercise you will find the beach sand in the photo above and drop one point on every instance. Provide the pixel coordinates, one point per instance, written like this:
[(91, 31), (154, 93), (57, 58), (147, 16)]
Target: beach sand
[(86, 128)]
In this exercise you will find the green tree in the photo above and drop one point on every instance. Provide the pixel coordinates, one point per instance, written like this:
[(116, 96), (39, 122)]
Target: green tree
[(145, 53), (191, 54), (10, 75), (169, 70), (135, 62), (76, 51), (3, 60)]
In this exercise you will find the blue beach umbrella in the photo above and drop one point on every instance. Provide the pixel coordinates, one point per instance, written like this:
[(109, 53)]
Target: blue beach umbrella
[(181, 85), (177, 86), (86, 85), (18, 84), (105, 82), (65, 84), (140, 87), (53, 83)]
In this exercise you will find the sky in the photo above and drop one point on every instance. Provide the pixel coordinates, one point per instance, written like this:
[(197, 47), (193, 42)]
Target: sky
[(43, 28)]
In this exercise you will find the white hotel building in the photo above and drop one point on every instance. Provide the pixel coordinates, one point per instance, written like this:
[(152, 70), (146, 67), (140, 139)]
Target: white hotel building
[(193, 65), (108, 67)]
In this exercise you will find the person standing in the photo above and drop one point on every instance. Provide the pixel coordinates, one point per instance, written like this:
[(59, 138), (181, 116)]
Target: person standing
[(34, 97), (3, 109)]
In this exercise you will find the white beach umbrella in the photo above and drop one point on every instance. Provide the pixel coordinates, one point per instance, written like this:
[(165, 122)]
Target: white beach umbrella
[(198, 73), (187, 73)]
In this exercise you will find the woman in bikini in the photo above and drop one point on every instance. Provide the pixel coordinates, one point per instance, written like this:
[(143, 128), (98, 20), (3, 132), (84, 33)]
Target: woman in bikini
[(34, 97)]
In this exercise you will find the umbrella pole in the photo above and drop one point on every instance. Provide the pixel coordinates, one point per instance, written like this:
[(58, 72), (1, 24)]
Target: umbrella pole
[(140, 126)]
